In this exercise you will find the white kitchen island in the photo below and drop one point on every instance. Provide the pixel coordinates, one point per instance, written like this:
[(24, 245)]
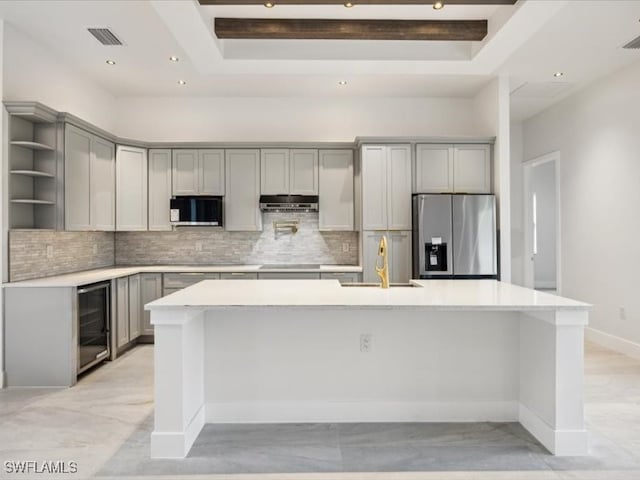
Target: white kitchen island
[(442, 351)]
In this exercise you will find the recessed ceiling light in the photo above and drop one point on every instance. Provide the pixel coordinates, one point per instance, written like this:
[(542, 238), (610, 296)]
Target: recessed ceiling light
[(173, 58), (182, 82), (342, 83), (269, 4), (438, 5), (558, 74), (110, 62), (348, 4)]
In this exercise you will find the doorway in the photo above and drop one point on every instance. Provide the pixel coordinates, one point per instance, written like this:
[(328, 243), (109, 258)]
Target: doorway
[(542, 223)]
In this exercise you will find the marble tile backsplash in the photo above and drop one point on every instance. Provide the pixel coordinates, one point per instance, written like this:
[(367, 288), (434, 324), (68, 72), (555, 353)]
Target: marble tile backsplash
[(67, 252), (203, 245)]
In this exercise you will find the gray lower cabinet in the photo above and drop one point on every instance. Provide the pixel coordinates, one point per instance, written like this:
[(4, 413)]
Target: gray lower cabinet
[(288, 276), (239, 276), (150, 290), (184, 280), (343, 277), (169, 291), (127, 311)]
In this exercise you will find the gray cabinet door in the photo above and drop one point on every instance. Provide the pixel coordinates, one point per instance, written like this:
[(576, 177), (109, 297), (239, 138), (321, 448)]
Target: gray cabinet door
[(274, 171), (472, 169), (134, 307), (122, 311), (374, 187), (131, 189), (336, 190), (102, 185), (398, 187), (150, 290), (239, 276), (342, 277), (77, 180), (303, 171), (242, 187), (370, 242), (434, 168), (399, 256), (185, 172), (211, 172), (159, 189)]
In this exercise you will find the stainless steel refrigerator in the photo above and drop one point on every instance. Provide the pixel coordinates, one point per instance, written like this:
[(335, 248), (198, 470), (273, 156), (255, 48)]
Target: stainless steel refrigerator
[(454, 236)]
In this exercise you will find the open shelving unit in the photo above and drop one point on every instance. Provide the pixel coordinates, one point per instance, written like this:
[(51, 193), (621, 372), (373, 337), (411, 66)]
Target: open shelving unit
[(34, 167)]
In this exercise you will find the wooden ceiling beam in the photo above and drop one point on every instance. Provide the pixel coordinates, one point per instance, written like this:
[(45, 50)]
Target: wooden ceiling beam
[(324, 29), (357, 2)]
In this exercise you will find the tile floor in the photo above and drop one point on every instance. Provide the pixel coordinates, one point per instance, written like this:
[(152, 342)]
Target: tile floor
[(104, 422)]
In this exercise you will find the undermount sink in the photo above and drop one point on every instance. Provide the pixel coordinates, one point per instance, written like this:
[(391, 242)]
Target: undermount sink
[(377, 285)]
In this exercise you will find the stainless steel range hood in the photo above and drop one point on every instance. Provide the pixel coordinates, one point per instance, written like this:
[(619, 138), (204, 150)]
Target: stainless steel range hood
[(289, 203)]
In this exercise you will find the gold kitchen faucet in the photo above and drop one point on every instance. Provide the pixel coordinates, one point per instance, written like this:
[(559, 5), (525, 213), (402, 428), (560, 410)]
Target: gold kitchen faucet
[(383, 271)]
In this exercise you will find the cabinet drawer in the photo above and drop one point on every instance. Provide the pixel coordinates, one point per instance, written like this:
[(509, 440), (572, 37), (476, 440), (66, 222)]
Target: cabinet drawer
[(288, 276), (169, 291), (344, 277), (239, 276), (182, 280)]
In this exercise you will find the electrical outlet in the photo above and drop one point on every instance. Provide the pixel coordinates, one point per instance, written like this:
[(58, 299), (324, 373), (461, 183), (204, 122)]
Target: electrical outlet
[(366, 342), (198, 246), (345, 247), (49, 251), (623, 313)]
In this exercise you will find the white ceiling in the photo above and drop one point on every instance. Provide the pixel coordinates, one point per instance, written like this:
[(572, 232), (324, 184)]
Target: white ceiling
[(528, 41)]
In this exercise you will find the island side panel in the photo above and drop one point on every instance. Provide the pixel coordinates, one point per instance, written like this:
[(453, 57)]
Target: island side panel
[(179, 391), (277, 364), (552, 379)]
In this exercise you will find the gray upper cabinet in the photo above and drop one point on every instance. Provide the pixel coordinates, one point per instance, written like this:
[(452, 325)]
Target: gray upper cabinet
[(211, 168), (90, 186), (472, 169), (274, 171), (386, 187), (336, 190), (131, 189), (464, 168), (185, 172), (198, 172), (284, 171), (159, 189), (303, 171), (241, 203)]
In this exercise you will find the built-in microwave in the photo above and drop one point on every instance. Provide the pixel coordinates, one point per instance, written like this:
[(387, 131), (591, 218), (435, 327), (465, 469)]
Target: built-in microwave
[(196, 210)]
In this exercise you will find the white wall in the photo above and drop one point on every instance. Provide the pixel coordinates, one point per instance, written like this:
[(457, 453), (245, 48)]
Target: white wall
[(33, 73), (291, 119), (491, 108), (597, 132), (543, 185), (517, 206)]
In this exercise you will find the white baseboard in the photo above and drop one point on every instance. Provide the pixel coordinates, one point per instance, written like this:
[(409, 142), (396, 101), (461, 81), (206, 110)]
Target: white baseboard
[(340, 412), (559, 442), (612, 342), (177, 444)]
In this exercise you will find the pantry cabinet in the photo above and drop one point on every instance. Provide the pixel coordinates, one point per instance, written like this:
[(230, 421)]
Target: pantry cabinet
[(463, 168), (131, 189), (386, 187), (336, 198), (90, 185)]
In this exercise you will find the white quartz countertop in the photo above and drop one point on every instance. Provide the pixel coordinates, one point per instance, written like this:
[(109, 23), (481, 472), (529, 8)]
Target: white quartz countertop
[(102, 274), (427, 294)]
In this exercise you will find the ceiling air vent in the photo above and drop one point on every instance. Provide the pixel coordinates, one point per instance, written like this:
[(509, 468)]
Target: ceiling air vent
[(105, 36), (633, 44)]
